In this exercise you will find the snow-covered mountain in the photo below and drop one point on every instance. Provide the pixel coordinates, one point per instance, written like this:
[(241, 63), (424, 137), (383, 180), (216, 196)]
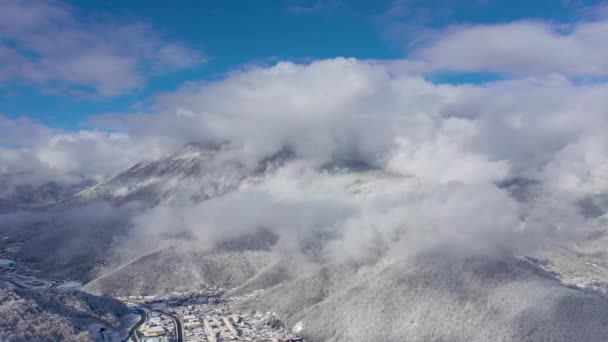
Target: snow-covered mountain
[(189, 170), (437, 298), (194, 173), (554, 293)]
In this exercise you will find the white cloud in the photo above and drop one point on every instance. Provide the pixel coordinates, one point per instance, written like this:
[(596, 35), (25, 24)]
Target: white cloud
[(450, 144), (447, 157), (529, 48), (324, 108), (581, 167), (345, 108), (48, 42), (43, 154)]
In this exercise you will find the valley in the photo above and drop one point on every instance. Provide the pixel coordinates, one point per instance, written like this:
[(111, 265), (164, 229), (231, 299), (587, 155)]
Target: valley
[(199, 316)]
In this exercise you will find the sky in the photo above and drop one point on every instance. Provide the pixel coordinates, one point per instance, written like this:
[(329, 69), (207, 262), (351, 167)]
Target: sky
[(64, 62)]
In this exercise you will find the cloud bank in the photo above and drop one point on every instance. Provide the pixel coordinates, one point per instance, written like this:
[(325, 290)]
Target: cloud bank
[(502, 165), (447, 153)]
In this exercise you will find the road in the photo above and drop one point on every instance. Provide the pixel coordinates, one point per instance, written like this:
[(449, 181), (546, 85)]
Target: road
[(178, 326), (56, 283), (176, 322), (132, 331)]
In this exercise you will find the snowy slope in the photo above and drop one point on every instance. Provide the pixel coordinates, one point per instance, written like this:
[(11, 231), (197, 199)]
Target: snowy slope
[(583, 263), (189, 170), (557, 293), (232, 262), (438, 299)]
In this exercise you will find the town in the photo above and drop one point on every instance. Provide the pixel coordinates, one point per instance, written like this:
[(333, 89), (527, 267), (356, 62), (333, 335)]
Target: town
[(197, 316), (204, 316)]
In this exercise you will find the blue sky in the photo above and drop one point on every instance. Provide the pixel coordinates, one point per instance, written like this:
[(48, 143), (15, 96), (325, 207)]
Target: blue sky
[(216, 37)]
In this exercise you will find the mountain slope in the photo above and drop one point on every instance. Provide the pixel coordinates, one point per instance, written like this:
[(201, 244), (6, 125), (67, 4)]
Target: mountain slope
[(438, 299), (426, 295), (583, 263), (175, 270), (173, 175)]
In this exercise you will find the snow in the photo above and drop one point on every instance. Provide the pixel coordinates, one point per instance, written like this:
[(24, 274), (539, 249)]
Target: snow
[(298, 327), (72, 285), (114, 335)]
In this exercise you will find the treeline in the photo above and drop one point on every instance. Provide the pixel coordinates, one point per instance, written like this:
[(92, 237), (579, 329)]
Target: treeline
[(27, 315)]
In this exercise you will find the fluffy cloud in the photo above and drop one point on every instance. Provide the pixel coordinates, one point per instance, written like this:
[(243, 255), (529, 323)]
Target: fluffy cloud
[(446, 152), (349, 109), (39, 154), (450, 147), (344, 108), (321, 110), (49, 43), (521, 48), (344, 217)]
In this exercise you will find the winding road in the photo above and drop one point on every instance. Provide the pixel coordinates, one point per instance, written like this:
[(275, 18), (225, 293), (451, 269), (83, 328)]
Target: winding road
[(133, 330), (176, 322)]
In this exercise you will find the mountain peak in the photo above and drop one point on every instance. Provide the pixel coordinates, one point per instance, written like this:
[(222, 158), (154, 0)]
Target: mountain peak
[(153, 181)]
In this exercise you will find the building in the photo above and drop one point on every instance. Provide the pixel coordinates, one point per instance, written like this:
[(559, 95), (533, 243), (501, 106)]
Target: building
[(155, 339), (154, 331), (211, 335), (230, 326)]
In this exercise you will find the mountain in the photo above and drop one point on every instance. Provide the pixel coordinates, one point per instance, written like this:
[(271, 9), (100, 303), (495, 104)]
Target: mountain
[(194, 173), (191, 170), (583, 264), (172, 269), (232, 262), (556, 292), (437, 298), (84, 228)]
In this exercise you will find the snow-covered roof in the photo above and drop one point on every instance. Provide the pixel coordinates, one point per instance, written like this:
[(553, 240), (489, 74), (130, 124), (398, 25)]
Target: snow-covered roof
[(156, 329)]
